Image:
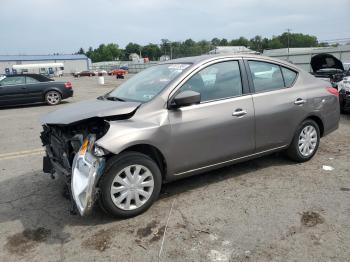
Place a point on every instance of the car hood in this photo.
(324, 60)
(89, 109)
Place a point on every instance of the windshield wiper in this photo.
(114, 98)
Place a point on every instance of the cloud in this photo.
(43, 26)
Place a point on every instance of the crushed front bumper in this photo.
(86, 170)
(83, 175)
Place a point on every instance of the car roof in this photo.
(207, 58)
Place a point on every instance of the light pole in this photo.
(288, 30)
(171, 51)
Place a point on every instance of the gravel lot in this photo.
(268, 209)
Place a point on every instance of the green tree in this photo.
(242, 41)
(81, 51)
(131, 48)
(215, 41)
(151, 51)
(223, 42)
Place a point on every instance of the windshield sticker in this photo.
(179, 66)
(149, 97)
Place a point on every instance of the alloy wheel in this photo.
(53, 97)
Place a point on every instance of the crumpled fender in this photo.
(153, 129)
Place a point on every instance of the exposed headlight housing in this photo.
(99, 151)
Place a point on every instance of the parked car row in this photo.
(32, 88)
(119, 73)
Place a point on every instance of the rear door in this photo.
(279, 104)
(220, 128)
(13, 90)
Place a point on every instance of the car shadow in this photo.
(38, 202)
(233, 171)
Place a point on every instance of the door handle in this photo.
(299, 101)
(239, 112)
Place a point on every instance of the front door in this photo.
(13, 90)
(220, 128)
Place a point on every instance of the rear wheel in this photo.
(305, 142)
(53, 98)
(130, 185)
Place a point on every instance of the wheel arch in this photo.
(153, 152)
(313, 117)
(318, 121)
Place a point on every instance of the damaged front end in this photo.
(86, 170)
(71, 153)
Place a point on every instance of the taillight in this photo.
(68, 85)
(333, 91)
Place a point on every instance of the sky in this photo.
(63, 26)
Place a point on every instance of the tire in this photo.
(295, 151)
(53, 97)
(116, 169)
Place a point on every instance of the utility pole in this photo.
(288, 30)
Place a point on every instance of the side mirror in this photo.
(187, 98)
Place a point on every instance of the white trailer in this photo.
(55, 69)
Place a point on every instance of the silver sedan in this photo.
(181, 118)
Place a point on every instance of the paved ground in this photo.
(268, 209)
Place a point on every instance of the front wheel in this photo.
(305, 142)
(130, 185)
(53, 98)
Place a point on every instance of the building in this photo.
(232, 50)
(301, 57)
(71, 63)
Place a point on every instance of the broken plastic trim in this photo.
(86, 170)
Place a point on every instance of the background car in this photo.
(32, 88)
(344, 94)
(102, 73)
(120, 73)
(85, 73)
(125, 67)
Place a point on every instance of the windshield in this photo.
(148, 83)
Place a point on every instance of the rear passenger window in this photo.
(266, 76)
(289, 76)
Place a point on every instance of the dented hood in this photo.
(89, 109)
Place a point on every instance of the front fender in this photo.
(123, 134)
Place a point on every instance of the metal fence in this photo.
(133, 67)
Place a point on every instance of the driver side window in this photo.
(217, 81)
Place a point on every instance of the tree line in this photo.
(189, 47)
